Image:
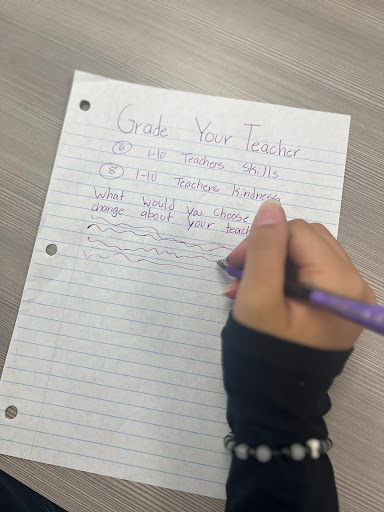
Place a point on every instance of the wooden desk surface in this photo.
(318, 54)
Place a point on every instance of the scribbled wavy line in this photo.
(152, 236)
(218, 246)
(141, 259)
(159, 253)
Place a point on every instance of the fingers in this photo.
(322, 231)
(266, 251)
(237, 256)
(367, 294)
(275, 249)
(321, 262)
(307, 248)
(231, 290)
(310, 246)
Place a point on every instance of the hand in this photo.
(320, 261)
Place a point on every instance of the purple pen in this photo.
(370, 316)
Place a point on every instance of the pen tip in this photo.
(221, 264)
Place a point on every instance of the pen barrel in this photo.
(370, 316)
(235, 272)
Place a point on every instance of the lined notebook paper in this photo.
(114, 364)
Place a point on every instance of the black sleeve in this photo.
(277, 395)
(17, 497)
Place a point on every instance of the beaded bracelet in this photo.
(264, 453)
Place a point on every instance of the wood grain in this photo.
(324, 55)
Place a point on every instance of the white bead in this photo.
(297, 451)
(314, 448)
(242, 451)
(230, 445)
(263, 453)
(229, 442)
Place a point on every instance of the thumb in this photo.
(266, 253)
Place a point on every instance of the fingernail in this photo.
(227, 289)
(270, 212)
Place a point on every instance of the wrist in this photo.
(277, 390)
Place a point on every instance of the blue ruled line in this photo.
(144, 228)
(102, 234)
(121, 318)
(234, 137)
(121, 403)
(88, 411)
(120, 346)
(122, 278)
(201, 167)
(124, 305)
(117, 373)
(118, 332)
(113, 461)
(266, 190)
(123, 433)
(162, 197)
(129, 265)
(205, 242)
(131, 293)
(157, 221)
(116, 359)
(213, 193)
(138, 255)
(123, 134)
(112, 446)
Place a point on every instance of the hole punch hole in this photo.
(11, 412)
(85, 105)
(51, 249)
